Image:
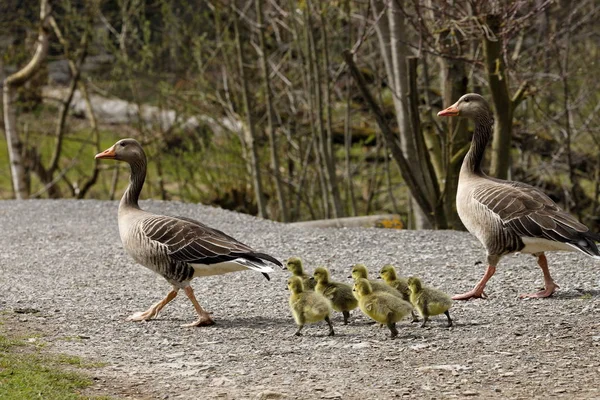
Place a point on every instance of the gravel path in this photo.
(65, 259)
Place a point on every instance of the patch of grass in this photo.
(26, 373)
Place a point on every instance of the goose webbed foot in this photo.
(546, 292)
(471, 294)
(143, 315)
(204, 320)
(154, 309)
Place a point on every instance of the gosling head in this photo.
(294, 265)
(295, 285)
(359, 271)
(128, 150)
(388, 273)
(415, 284)
(470, 105)
(321, 274)
(362, 287)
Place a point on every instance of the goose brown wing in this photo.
(527, 211)
(193, 242)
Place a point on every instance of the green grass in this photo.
(28, 373)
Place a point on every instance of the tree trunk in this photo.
(11, 83)
(327, 163)
(250, 134)
(498, 83)
(454, 84)
(390, 28)
(392, 141)
(270, 120)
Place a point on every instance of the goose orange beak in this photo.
(451, 111)
(108, 154)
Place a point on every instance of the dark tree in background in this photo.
(296, 110)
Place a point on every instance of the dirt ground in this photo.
(65, 260)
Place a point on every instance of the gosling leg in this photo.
(331, 332)
(346, 316)
(393, 329)
(449, 319)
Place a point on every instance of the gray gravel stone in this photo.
(64, 259)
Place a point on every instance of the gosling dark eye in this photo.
(123, 144)
(466, 100)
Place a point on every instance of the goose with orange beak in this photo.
(507, 216)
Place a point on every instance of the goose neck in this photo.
(481, 137)
(136, 182)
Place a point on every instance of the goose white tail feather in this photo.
(239, 264)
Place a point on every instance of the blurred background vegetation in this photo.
(299, 110)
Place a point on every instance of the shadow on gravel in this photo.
(576, 294)
(223, 322)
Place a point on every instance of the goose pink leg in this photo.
(204, 317)
(154, 309)
(477, 292)
(549, 285)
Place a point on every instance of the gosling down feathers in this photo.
(177, 248)
(507, 216)
(308, 307)
(380, 306)
(295, 266)
(429, 301)
(340, 294)
(390, 277)
(359, 271)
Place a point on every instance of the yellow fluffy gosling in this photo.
(429, 301)
(294, 265)
(390, 277)
(380, 306)
(308, 306)
(340, 294)
(359, 271)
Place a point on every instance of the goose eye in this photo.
(466, 100)
(122, 144)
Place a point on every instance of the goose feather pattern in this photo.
(177, 248)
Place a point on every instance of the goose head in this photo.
(470, 105)
(128, 150)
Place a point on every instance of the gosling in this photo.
(360, 271)
(308, 306)
(340, 294)
(429, 301)
(390, 277)
(380, 306)
(294, 265)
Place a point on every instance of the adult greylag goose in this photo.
(178, 248)
(508, 216)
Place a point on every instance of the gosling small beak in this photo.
(451, 111)
(108, 154)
